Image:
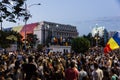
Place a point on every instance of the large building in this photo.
(47, 31)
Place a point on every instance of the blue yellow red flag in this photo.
(113, 43)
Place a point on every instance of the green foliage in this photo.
(40, 47)
(100, 40)
(32, 39)
(80, 44)
(5, 43)
(12, 12)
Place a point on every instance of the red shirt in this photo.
(71, 74)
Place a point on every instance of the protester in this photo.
(59, 66)
(29, 69)
(113, 75)
(83, 74)
(72, 73)
(97, 73)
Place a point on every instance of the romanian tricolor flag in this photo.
(113, 43)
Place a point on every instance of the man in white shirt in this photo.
(97, 73)
(83, 74)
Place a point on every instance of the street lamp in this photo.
(27, 17)
(1, 20)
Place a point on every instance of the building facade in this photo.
(49, 31)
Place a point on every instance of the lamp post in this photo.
(26, 18)
(1, 20)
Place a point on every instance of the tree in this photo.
(32, 39)
(7, 38)
(80, 44)
(18, 36)
(3, 41)
(40, 47)
(91, 39)
(11, 11)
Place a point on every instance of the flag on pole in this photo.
(113, 43)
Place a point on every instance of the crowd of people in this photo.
(59, 66)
